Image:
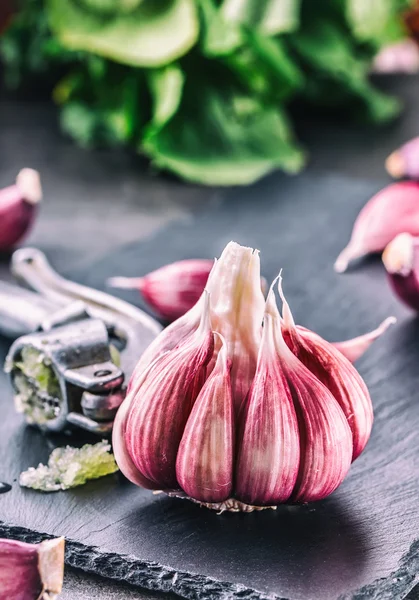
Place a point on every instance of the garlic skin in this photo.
(356, 347)
(236, 312)
(401, 261)
(31, 571)
(394, 210)
(237, 308)
(336, 372)
(230, 416)
(18, 207)
(404, 162)
(171, 290)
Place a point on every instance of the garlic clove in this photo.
(326, 442)
(18, 207)
(237, 306)
(119, 446)
(400, 57)
(336, 372)
(404, 162)
(31, 571)
(204, 465)
(162, 402)
(394, 210)
(356, 347)
(122, 456)
(401, 260)
(269, 448)
(171, 290)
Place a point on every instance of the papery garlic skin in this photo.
(236, 312)
(18, 207)
(401, 260)
(205, 459)
(163, 403)
(237, 307)
(171, 290)
(356, 347)
(394, 210)
(404, 162)
(31, 571)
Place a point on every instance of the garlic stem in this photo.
(126, 283)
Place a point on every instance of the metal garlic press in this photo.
(75, 346)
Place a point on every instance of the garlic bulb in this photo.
(236, 415)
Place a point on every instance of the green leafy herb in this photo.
(376, 21)
(223, 137)
(336, 68)
(269, 17)
(202, 87)
(142, 34)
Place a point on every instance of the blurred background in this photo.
(138, 112)
(208, 90)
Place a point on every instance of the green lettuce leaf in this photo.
(27, 47)
(219, 37)
(102, 103)
(376, 21)
(337, 75)
(153, 33)
(223, 137)
(269, 17)
(265, 68)
(166, 87)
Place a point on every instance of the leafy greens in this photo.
(202, 87)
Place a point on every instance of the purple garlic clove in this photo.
(18, 208)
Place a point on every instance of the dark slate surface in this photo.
(363, 541)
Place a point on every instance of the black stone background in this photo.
(105, 214)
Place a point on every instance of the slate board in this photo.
(363, 541)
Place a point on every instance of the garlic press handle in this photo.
(22, 311)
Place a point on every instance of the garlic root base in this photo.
(230, 505)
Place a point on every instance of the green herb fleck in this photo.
(70, 467)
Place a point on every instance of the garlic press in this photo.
(74, 346)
